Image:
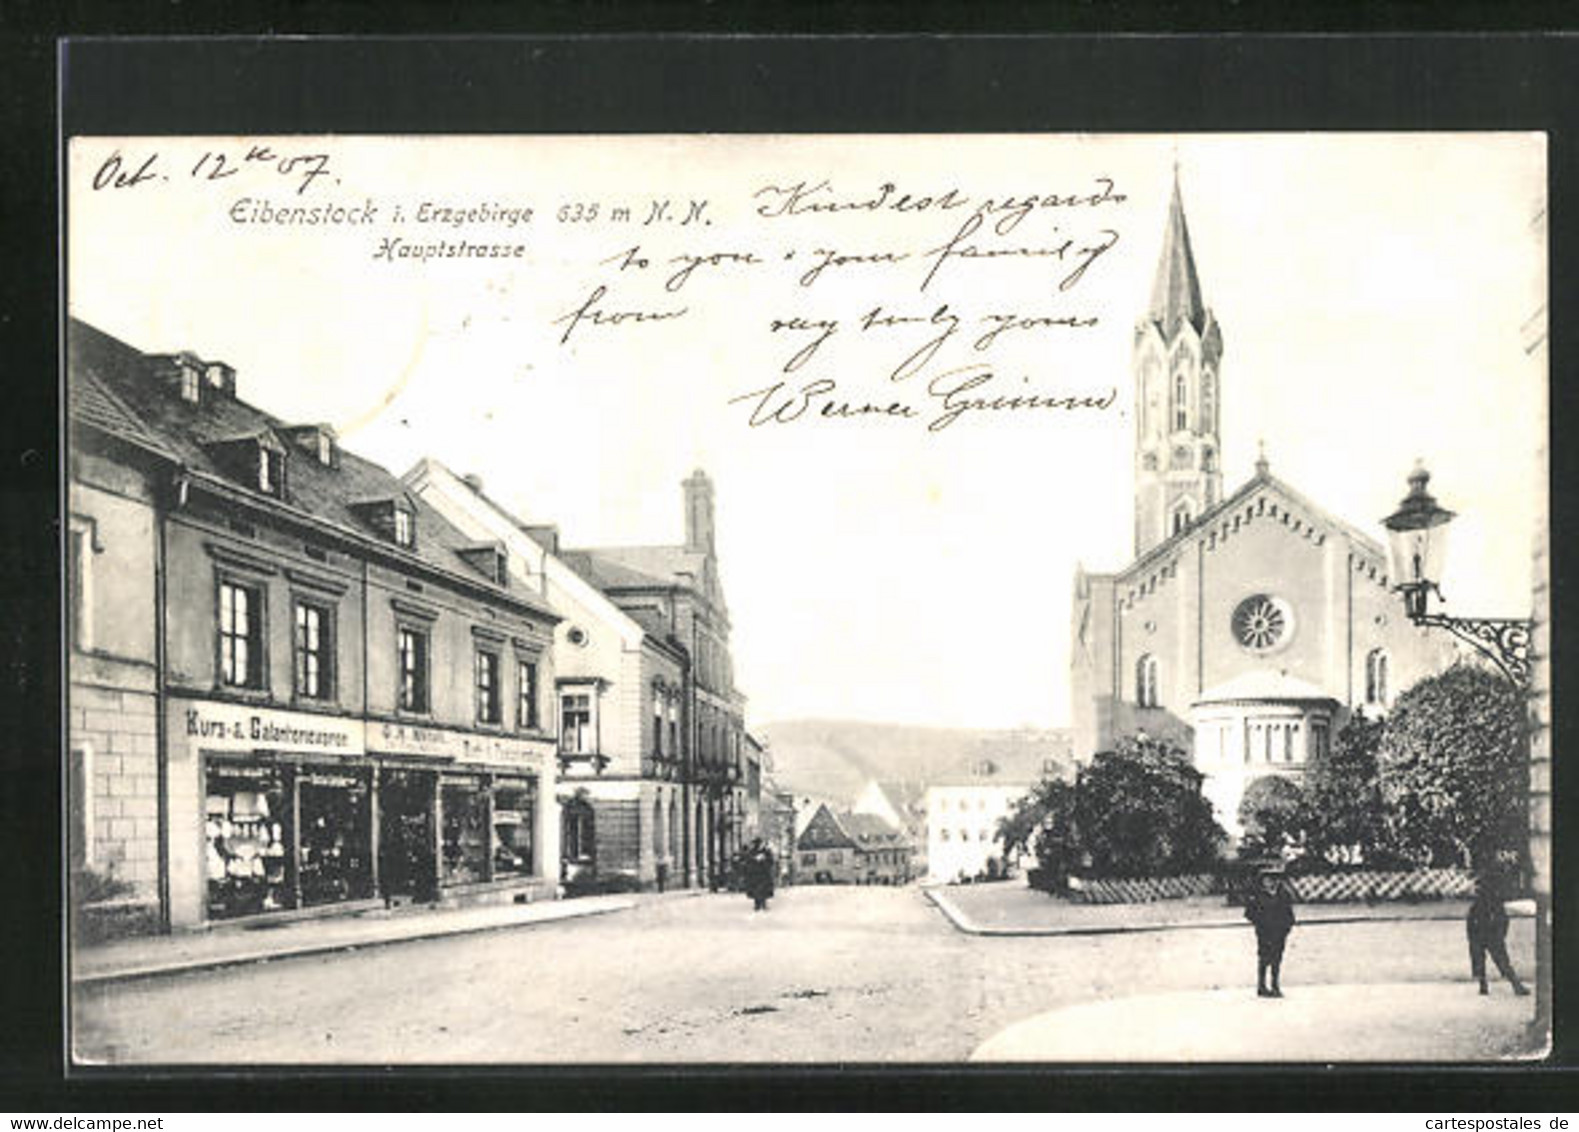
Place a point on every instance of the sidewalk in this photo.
(1009, 909)
(1436, 1021)
(216, 947)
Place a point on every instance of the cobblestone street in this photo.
(829, 974)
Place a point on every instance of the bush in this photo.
(1139, 811)
(1274, 814)
(1453, 770)
(101, 909)
(1348, 820)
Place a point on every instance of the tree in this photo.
(1139, 811)
(1274, 814)
(1043, 822)
(1348, 822)
(1454, 770)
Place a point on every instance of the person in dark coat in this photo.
(758, 869)
(1487, 928)
(1271, 909)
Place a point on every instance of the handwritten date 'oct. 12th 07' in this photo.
(121, 171)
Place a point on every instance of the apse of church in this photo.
(1248, 628)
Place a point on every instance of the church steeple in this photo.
(1178, 349)
(1176, 292)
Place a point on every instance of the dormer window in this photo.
(405, 527)
(325, 449)
(191, 384)
(271, 471)
(488, 559)
(216, 376)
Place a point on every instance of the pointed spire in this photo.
(1262, 467)
(1176, 293)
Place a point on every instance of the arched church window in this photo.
(1261, 623)
(1376, 676)
(1146, 681)
(1149, 461)
(1208, 460)
(1182, 457)
(1207, 402)
(1181, 418)
(1181, 520)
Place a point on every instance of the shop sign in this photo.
(458, 746)
(237, 727)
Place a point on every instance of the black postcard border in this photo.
(634, 83)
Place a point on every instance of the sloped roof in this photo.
(1262, 685)
(638, 567)
(1012, 759)
(1176, 291)
(906, 797)
(867, 828)
(327, 494)
(89, 401)
(1263, 479)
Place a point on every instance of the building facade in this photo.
(963, 812)
(902, 805)
(348, 693)
(1247, 628)
(674, 593)
(626, 781)
(848, 848)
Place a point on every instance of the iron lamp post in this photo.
(1417, 542)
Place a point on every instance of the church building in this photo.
(1250, 626)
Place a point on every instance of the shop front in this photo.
(463, 814)
(283, 804)
(301, 814)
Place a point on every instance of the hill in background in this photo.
(834, 759)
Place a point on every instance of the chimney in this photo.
(698, 512)
(546, 535)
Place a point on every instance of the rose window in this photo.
(1261, 623)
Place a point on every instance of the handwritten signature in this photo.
(957, 392)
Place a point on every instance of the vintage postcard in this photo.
(807, 599)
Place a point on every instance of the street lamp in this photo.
(1417, 540)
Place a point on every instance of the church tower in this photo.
(1177, 355)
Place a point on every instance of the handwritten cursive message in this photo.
(841, 299)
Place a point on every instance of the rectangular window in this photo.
(80, 791)
(464, 831)
(314, 652)
(575, 723)
(190, 387)
(526, 695)
(657, 722)
(836, 858)
(808, 859)
(271, 471)
(413, 659)
(80, 564)
(514, 802)
(674, 728)
(487, 687)
(240, 635)
(405, 529)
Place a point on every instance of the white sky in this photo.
(1373, 292)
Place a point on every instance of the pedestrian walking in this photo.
(1487, 928)
(1270, 908)
(758, 869)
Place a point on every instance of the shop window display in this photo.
(246, 826)
(513, 803)
(466, 836)
(336, 836)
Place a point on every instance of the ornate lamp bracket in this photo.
(1506, 641)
